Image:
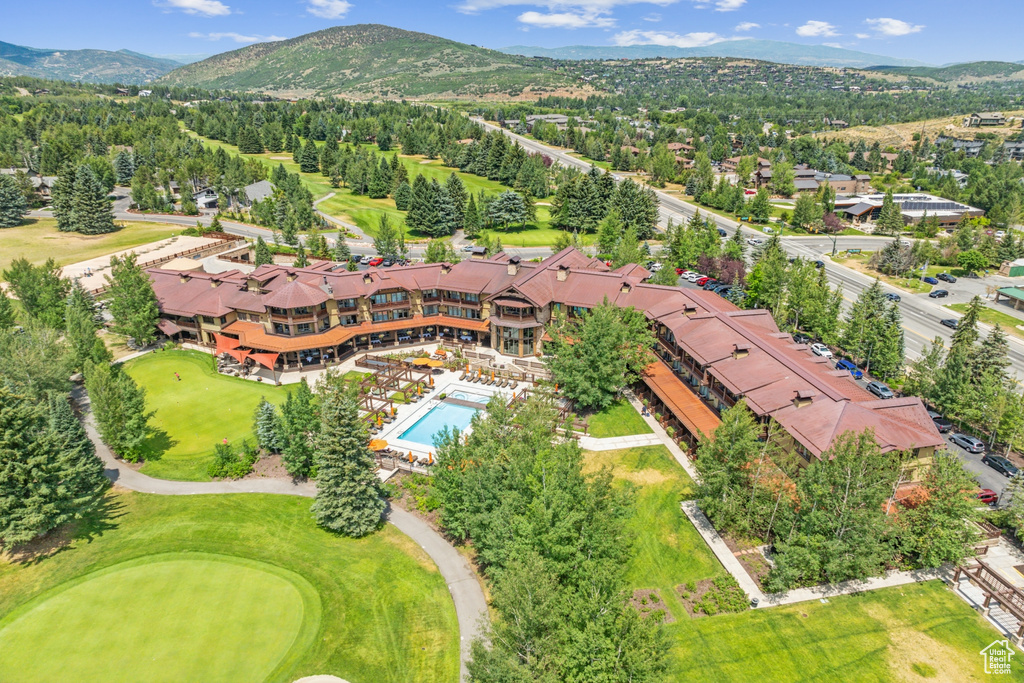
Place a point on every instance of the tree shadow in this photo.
(157, 442)
(94, 523)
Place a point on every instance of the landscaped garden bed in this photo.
(709, 597)
(648, 602)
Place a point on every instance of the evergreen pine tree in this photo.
(91, 213)
(403, 196)
(380, 183)
(80, 325)
(6, 312)
(348, 495)
(993, 355)
(12, 202)
(124, 167)
(262, 254)
(267, 426)
(119, 406)
(62, 198)
(421, 205)
(83, 483)
(890, 218)
(301, 260)
(310, 162)
(298, 425)
(471, 219)
(341, 249)
(457, 194)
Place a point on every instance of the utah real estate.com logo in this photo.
(997, 657)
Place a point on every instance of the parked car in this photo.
(366, 260)
(971, 444)
(701, 281)
(951, 323)
(941, 423)
(722, 232)
(892, 296)
(850, 367)
(930, 280)
(938, 294)
(880, 389)
(819, 349)
(655, 267)
(693, 277)
(680, 271)
(754, 242)
(1000, 465)
(801, 338)
(946, 277)
(819, 264)
(375, 261)
(987, 496)
(723, 291)
(469, 247)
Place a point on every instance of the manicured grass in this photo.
(536, 234)
(38, 239)
(859, 262)
(668, 551)
(1008, 322)
(883, 635)
(225, 588)
(618, 419)
(880, 635)
(255, 612)
(192, 416)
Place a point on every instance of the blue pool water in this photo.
(437, 418)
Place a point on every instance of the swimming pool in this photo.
(437, 418)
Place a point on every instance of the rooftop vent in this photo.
(740, 350)
(803, 398)
(563, 273)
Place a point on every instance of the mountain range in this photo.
(90, 66)
(370, 60)
(765, 50)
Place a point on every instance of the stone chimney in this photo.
(183, 278)
(513, 265)
(446, 268)
(366, 278)
(626, 288)
(804, 397)
(563, 273)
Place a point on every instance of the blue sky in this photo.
(935, 31)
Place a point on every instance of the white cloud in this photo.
(839, 45)
(728, 5)
(667, 38)
(816, 28)
(568, 20)
(652, 17)
(893, 27)
(747, 26)
(207, 8)
(580, 7)
(237, 37)
(862, 36)
(328, 9)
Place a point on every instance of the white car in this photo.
(754, 242)
(819, 349)
(693, 277)
(366, 260)
(655, 267)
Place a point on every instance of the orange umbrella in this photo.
(380, 421)
(419, 389)
(492, 375)
(430, 458)
(392, 411)
(378, 444)
(421, 361)
(431, 381)
(410, 456)
(435, 363)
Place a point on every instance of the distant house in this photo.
(145, 93)
(731, 164)
(959, 176)
(205, 198)
(970, 148)
(992, 118)
(44, 185)
(679, 147)
(866, 208)
(257, 192)
(836, 123)
(121, 91)
(1014, 151)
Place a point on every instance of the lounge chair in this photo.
(504, 382)
(514, 384)
(462, 376)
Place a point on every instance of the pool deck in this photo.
(408, 415)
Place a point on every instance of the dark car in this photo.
(819, 264)
(987, 496)
(1000, 465)
(930, 280)
(880, 390)
(951, 323)
(971, 444)
(722, 232)
(850, 367)
(938, 294)
(946, 277)
(892, 296)
(724, 291)
(711, 284)
(941, 423)
(387, 263)
(801, 338)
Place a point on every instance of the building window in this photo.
(304, 328)
(301, 310)
(430, 310)
(401, 313)
(349, 320)
(325, 323)
(347, 303)
(323, 306)
(280, 328)
(510, 341)
(578, 310)
(429, 293)
(528, 343)
(474, 298)
(381, 316)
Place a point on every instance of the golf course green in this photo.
(164, 618)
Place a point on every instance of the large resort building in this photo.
(710, 353)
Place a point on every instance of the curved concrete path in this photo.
(468, 596)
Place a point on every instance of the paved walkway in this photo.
(614, 443)
(468, 596)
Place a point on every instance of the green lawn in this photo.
(618, 419)
(38, 239)
(225, 588)
(859, 262)
(192, 416)
(904, 633)
(1008, 322)
(668, 550)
